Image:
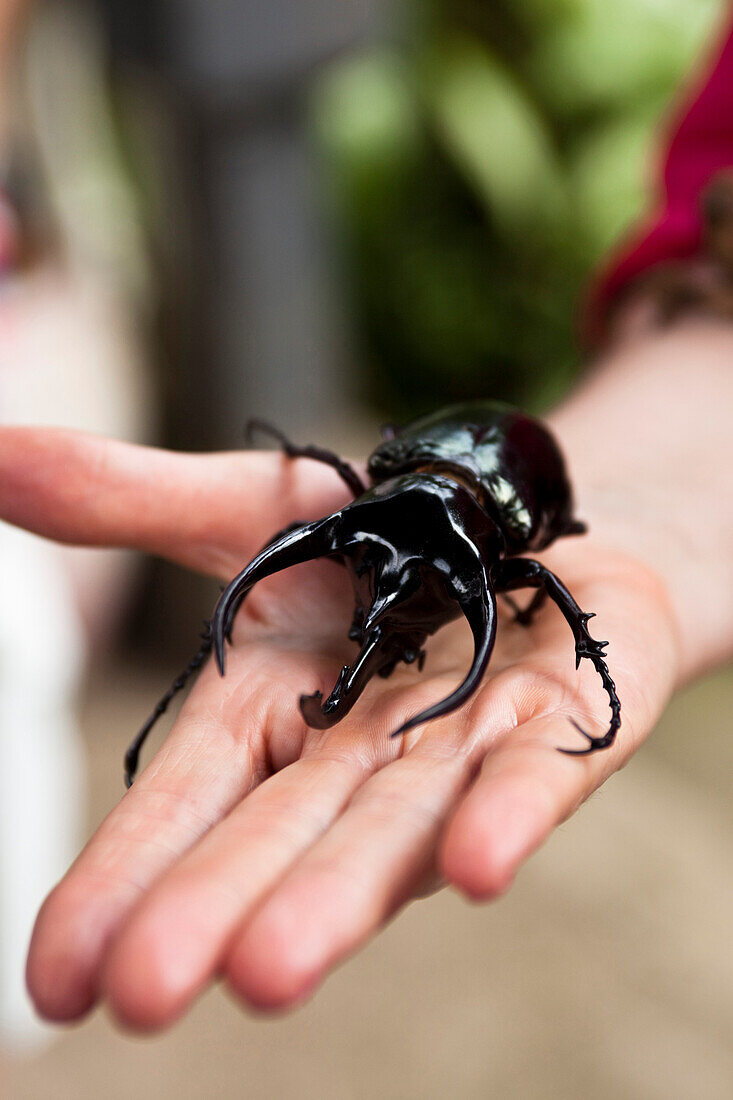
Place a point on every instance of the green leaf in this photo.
(365, 115)
(610, 55)
(495, 135)
(610, 178)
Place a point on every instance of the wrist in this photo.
(650, 453)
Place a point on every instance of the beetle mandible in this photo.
(455, 499)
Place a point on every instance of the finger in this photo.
(349, 883)
(201, 772)
(174, 942)
(176, 939)
(526, 787)
(200, 510)
(524, 790)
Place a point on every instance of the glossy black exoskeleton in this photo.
(454, 499)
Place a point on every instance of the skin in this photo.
(254, 850)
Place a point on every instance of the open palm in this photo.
(256, 849)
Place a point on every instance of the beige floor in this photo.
(607, 972)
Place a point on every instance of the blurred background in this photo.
(332, 213)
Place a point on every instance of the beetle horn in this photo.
(478, 604)
(293, 547)
(349, 686)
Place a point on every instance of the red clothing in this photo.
(699, 145)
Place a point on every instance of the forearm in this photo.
(649, 441)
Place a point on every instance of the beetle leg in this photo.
(345, 470)
(356, 630)
(410, 653)
(515, 573)
(525, 615)
(132, 756)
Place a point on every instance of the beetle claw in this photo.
(595, 743)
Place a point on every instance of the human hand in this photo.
(255, 849)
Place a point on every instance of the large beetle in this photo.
(454, 498)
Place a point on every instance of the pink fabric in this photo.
(699, 144)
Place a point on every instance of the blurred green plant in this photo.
(479, 169)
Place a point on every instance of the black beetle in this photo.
(455, 497)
